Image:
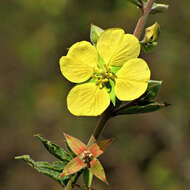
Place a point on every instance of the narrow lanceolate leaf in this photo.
(75, 144)
(73, 166)
(87, 177)
(98, 148)
(158, 8)
(97, 169)
(138, 109)
(52, 170)
(136, 2)
(95, 32)
(152, 90)
(54, 149)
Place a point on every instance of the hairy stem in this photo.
(142, 20)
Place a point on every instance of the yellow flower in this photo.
(111, 65)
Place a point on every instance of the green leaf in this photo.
(148, 46)
(138, 109)
(87, 177)
(52, 170)
(54, 149)
(95, 32)
(158, 8)
(152, 90)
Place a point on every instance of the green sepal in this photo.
(115, 69)
(72, 180)
(101, 62)
(112, 92)
(69, 149)
(143, 108)
(91, 80)
(95, 33)
(148, 46)
(54, 149)
(52, 170)
(152, 90)
(69, 185)
(87, 177)
(151, 35)
(158, 8)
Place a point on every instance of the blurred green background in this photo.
(151, 151)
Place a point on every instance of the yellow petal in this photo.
(78, 65)
(115, 47)
(132, 79)
(87, 100)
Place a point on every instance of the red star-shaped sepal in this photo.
(86, 156)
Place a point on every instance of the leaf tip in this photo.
(37, 135)
(22, 157)
(67, 136)
(105, 181)
(167, 104)
(61, 175)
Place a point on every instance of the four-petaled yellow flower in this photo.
(96, 65)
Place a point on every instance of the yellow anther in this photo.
(100, 86)
(102, 76)
(105, 80)
(110, 75)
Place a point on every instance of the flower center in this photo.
(87, 157)
(102, 75)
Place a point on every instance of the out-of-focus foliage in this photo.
(151, 150)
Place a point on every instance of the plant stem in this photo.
(110, 112)
(101, 124)
(143, 18)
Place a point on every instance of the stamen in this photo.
(102, 75)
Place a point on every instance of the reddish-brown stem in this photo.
(143, 18)
(100, 126)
